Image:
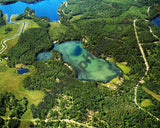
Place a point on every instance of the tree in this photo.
(13, 123)
(2, 21)
(1, 122)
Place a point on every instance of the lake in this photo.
(87, 65)
(47, 8)
(156, 21)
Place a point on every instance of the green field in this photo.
(56, 29)
(146, 103)
(157, 97)
(10, 81)
(16, 29)
(124, 68)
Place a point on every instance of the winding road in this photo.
(153, 33)
(147, 68)
(4, 46)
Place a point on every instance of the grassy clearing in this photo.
(124, 68)
(16, 29)
(117, 81)
(26, 118)
(77, 17)
(134, 10)
(157, 97)
(10, 44)
(10, 81)
(29, 24)
(146, 103)
(112, 84)
(10, 34)
(122, 65)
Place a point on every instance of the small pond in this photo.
(44, 56)
(22, 71)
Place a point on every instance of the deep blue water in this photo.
(44, 56)
(22, 71)
(47, 8)
(77, 51)
(156, 21)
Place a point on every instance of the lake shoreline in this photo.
(12, 2)
(43, 8)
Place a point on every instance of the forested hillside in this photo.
(30, 43)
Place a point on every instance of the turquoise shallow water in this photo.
(44, 56)
(87, 65)
(46, 8)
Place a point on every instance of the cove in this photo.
(88, 67)
(22, 71)
(47, 8)
(156, 21)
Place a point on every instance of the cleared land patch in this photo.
(10, 81)
(16, 30)
(157, 97)
(146, 103)
(56, 29)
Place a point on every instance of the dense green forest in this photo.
(28, 46)
(106, 29)
(2, 21)
(12, 107)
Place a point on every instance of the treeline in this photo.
(92, 9)
(16, 108)
(31, 42)
(144, 34)
(2, 21)
(153, 77)
(14, 1)
(154, 104)
(147, 2)
(30, 14)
